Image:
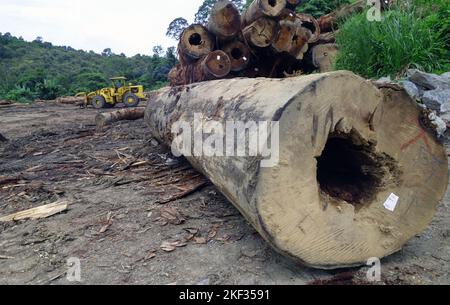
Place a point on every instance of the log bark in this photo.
(195, 43)
(239, 55)
(261, 33)
(346, 151)
(225, 20)
(329, 22)
(285, 36)
(329, 37)
(260, 8)
(324, 56)
(108, 118)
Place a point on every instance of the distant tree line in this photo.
(39, 70)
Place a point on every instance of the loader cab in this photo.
(118, 82)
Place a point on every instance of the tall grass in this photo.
(400, 41)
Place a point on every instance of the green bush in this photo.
(318, 8)
(401, 41)
(20, 94)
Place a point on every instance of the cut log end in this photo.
(261, 8)
(362, 189)
(217, 64)
(195, 43)
(324, 56)
(239, 55)
(261, 33)
(225, 20)
(272, 8)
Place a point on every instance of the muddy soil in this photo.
(128, 197)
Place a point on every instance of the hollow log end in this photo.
(272, 8)
(196, 42)
(239, 55)
(369, 176)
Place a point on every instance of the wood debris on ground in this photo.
(37, 213)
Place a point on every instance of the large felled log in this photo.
(261, 33)
(107, 118)
(195, 42)
(358, 174)
(260, 8)
(225, 20)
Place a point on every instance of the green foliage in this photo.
(20, 94)
(176, 27)
(39, 70)
(401, 41)
(318, 8)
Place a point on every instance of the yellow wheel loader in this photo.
(120, 92)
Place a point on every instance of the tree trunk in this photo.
(195, 42)
(107, 118)
(358, 174)
(260, 8)
(225, 20)
(261, 33)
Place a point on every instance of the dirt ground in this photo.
(127, 197)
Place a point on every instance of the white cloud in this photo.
(129, 27)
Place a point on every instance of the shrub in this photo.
(20, 94)
(400, 41)
(318, 8)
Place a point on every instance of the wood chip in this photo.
(172, 216)
(37, 213)
(200, 240)
(108, 223)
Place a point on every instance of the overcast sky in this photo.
(125, 26)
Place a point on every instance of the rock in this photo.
(411, 89)
(428, 80)
(445, 108)
(446, 76)
(446, 117)
(383, 80)
(435, 99)
(439, 124)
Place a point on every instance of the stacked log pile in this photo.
(269, 39)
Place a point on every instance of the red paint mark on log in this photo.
(422, 135)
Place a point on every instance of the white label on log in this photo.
(391, 203)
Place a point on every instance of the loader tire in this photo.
(98, 102)
(130, 100)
